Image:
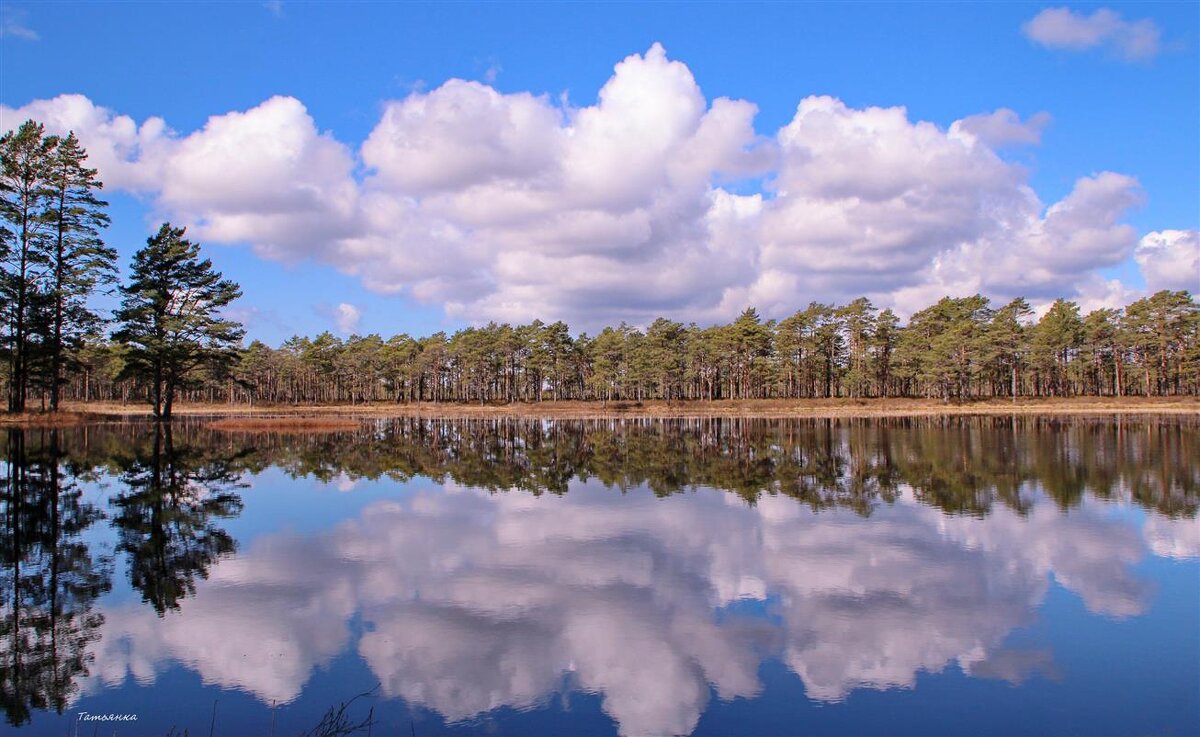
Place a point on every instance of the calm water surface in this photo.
(925, 577)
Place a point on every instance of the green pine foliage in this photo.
(170, 321)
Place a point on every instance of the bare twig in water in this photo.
(337, 722)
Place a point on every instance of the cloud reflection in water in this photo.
(474, 601)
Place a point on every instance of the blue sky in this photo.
(1113, 106)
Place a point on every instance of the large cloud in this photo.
(265, 176)
(651, 201)
(129, 156)
(474, 601)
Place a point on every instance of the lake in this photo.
(932, 576)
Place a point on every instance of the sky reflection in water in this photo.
(864, 570)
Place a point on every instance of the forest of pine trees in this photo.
(55, 347)
(957, 349)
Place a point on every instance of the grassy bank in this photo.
(68, 418)
(767, 408)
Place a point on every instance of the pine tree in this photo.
(25, 194)
(665, 348)
(1056, 338)
(170, 320)
(1101, 330)
(883, 345)
(943, 345)
(858, 322)
(1160, 329)
(1008, 342)
(78, 260)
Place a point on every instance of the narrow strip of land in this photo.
(764, 408)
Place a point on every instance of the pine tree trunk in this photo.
(16, 397)
(156, 393)
(56, 346)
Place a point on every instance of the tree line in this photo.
(169, 340)
(957, 349)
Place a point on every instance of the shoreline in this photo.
(80, 413)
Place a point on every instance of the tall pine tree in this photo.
(25, 196)
(78, 259)
(170, 317)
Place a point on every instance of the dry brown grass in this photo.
(767, 408)
(286, 424)
(47, 419)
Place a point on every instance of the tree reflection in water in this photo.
(166, 515)
(50, 580)
(958, 465)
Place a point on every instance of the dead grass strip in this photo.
(286, 424)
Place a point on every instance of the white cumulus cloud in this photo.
(653, 200)
(129, 155)
(1170, 259)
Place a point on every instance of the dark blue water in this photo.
(956, 577)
